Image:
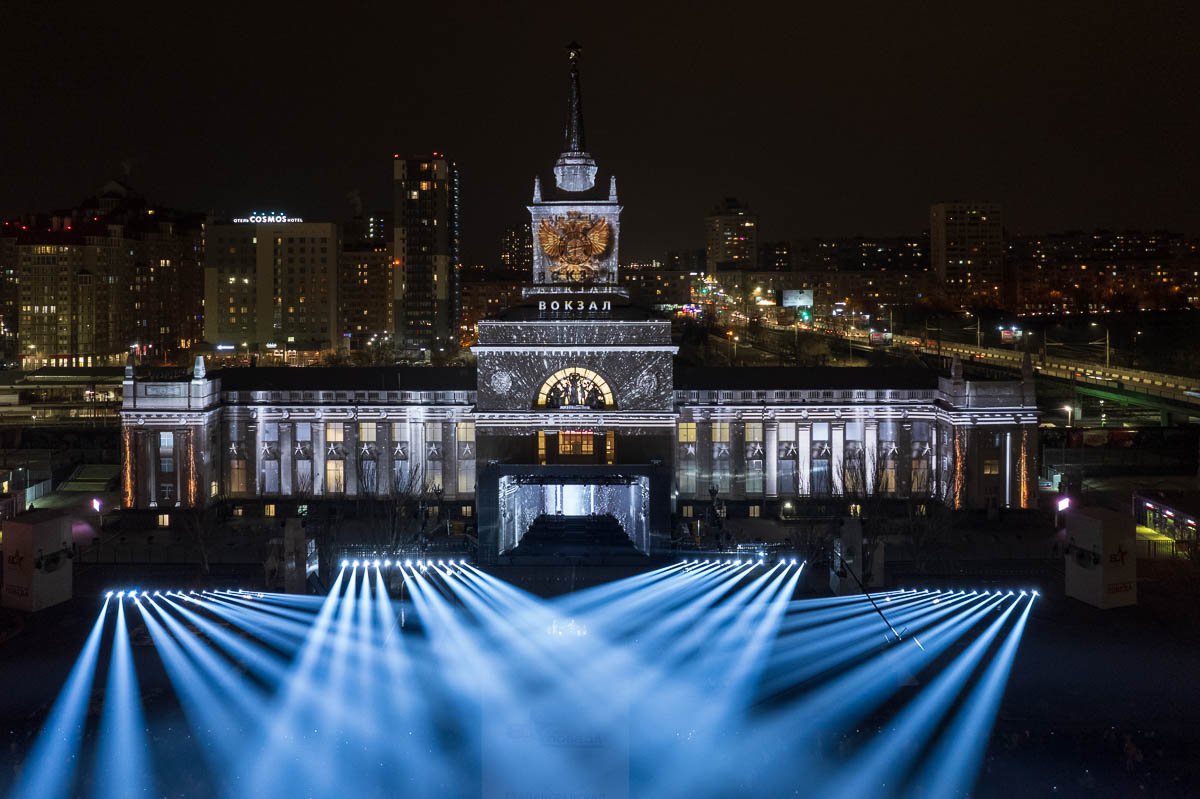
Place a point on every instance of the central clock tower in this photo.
(574, 414)
(576, 227)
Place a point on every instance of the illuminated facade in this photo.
(271, 285)
(575, 409)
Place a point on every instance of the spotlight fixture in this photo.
(157, 594)
(462, 561)
(1022, 593)
(354, 564)
(1035, 593)
(408, 564)
(120, 594)
(133, 593)
(109, 594)
(440, 563)
(793, 561)
(345, 563)
(376, 563)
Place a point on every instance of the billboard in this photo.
(797, 298)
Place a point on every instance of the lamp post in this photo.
(1066, 436)
(712, 494)
(1107, 348)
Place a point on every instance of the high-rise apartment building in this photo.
(516, 250)
(112, 275)
(271, 284)
(731, 237)
(426, 255)
(966, 241)
(366, 290)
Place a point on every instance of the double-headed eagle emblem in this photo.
(573, 243)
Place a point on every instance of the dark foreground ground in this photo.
(1099, 704)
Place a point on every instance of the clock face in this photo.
(573, 244)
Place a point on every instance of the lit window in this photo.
(720, 432)
(686, 511)
(687, 432)
(164, 520)
(468, 511)
(991, 467)
(575, 443)
(238, 511)
(269, 509)
(755, 511)
(366, 432)
(335, 476)
(334, 432)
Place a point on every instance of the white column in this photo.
(318, 457)
(873, 457)
(804, 458)
(838, 461)
(771, 467)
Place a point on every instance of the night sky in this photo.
(828, 122)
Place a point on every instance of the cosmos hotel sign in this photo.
(261, 217)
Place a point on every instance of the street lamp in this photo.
(1107, 349)
(1070, 411)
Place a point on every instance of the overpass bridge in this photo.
(1176, 397)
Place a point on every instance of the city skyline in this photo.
(1033, 129)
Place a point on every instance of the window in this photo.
(164, 520)
(166, 465)
(755, 511)
(686, 511)
(754, 431)
(541, 447)
(575, 443)
(214, 488)
(466, 478)
(399, 431)
(687, 432)
(166, 491)
(238, 511)
(465, 431)
(269, 510)
(433, 431)
(468, 511)
(334, 432)
(720, 432)
(366, 432)
(991, 466)
(754, 477)
(237, 476)
(335, 476)
(166, 440)
(610, 446)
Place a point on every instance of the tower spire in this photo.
(576, 169)
(574, 139)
